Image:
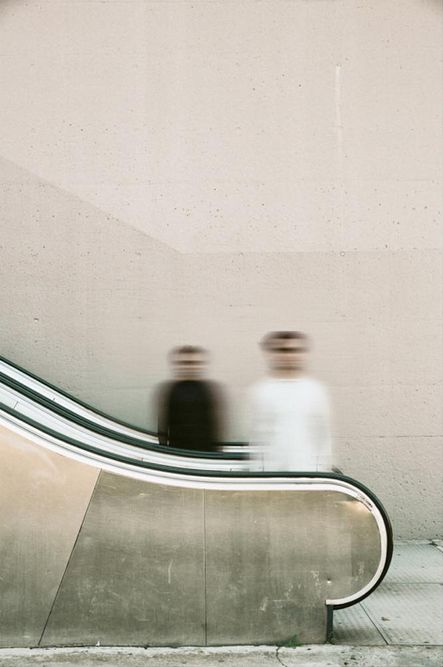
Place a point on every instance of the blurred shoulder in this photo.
(316, 387)
(261, 388)
(214, 387)
(163, 389)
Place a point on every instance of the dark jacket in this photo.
(189, 415)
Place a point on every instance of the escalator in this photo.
(108, 539)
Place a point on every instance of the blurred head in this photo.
(188, 362)
(285, 350)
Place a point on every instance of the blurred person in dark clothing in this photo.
(190, 406)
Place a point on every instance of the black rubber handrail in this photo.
(227, 474)
(73, 398)
(107, 432)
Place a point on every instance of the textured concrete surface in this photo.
(306, 656)
(204, 171)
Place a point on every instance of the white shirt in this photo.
(290, 425)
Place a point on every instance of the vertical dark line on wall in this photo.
(69, 559)
(204, 567)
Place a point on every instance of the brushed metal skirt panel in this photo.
(136, 576)
(273, 558)
(121, 561)
(43, 499)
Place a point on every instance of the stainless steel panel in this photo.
(353, 543)
(138, 573)
(273, 558)
(136, 576)
(43, 499)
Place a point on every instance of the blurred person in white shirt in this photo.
(289, 411)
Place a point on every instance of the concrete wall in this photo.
(203, 172)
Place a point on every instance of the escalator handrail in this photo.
(64, 393)
(81, 403)
(44, 417)
(102, 430)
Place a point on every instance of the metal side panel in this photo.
(169, 557)
(136, 576)
(274, 558)
(43, 500)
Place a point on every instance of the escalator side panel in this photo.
(136, 576)
(174, 559)
(43, 500)
(164, 565)
(277, 556)
(260, 555)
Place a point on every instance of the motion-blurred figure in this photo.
(290, 422)
(190, 407)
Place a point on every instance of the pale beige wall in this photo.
(205, 171)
